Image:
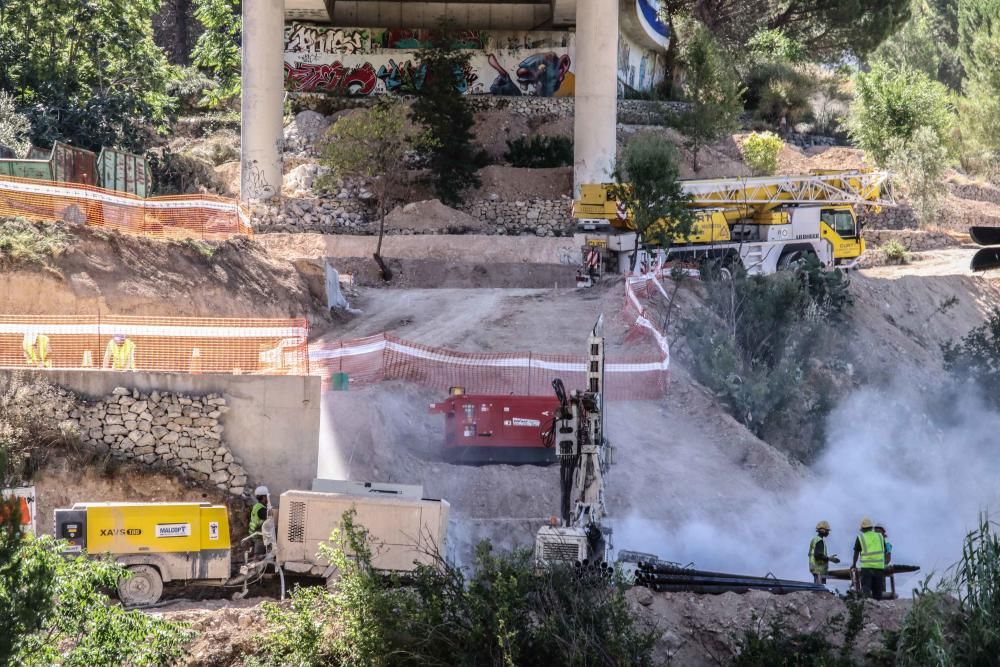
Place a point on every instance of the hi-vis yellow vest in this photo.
(872, 550)
(39, 352)
(815, 566)
(120, 354)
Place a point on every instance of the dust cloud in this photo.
(922, 461)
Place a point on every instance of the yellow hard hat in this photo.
(866, 523)
(823, 525)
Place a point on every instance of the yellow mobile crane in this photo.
(764, 223)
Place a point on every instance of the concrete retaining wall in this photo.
(449, 247)
(272, 422)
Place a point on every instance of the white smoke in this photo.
(886, 457)
(332, 460)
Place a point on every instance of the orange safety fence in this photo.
(386, 357)
(160, 344)
(184, 216)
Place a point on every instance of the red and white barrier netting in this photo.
(182, 216)
(386, 357)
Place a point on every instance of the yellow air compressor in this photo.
(157, 542)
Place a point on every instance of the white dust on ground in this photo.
(672, 453)
(668, 463)
(690, 482)
(554, 321)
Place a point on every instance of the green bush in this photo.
(218, 49)
(976, 358)
(713, 93)
(760, 152)
(779, 93)
(181, 173)
(956, 623)
(919, 164)
(27, 242)
(87, 73)
(754, 350)
(503, 614)
(190, 87)
(446, 119)
(14, 128)
(891, 105)
(540, 152)
(895, 252)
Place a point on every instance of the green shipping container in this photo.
(124, 172)
(40, 169)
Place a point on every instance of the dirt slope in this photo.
(127, 275)
(69, 477)
(704, 630)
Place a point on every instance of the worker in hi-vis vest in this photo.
(119, 355)
(258, 514)
(870, 547)
(36, 350)
(819, 561)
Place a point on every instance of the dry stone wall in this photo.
(911, 239)
(630, 112)
(164, 430)
(533, 217)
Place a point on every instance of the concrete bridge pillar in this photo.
(262, 99)
(595, 119)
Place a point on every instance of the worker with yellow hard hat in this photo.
(819, 561)
(869, 548)
(36, 350)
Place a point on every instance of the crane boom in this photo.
(762, 224)
(865, 188)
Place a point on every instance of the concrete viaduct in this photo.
(596, 24)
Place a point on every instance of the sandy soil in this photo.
(431, 216)
(902, 314)
(494, 129)
(225, 630)
(128, 275)
(704, 630)
(491, 320)
(513, 184)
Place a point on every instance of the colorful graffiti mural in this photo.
(362, 61)
(332, 78)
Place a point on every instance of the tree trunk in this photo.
(386, 271)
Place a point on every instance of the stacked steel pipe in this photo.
(672, 578)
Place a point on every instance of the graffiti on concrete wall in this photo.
(639, 69)
(334, 77)
(356, 61)
(310, 38)
(410, 40)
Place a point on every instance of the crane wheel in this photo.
(143, 588)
